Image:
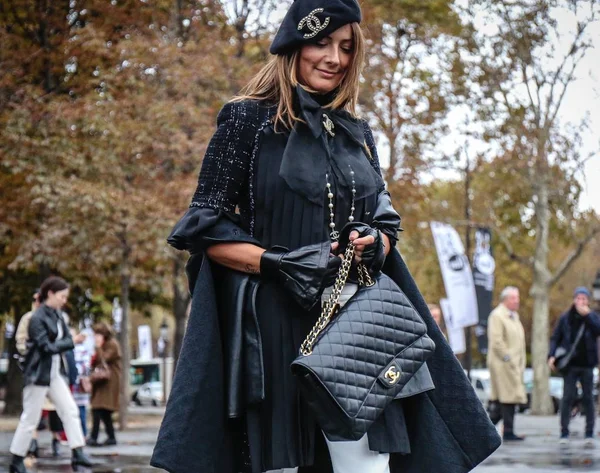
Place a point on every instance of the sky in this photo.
(584, 97)
(581, 99)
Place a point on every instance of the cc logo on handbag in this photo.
(392, 375)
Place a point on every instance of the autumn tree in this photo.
(409, 84)
(523, 72)
(105, 162)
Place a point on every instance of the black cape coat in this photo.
(244, 167)
(448, 427)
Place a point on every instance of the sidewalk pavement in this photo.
(539, 453)
(131, 455)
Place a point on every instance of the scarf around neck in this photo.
(312, 152)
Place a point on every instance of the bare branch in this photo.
(572, 257)
(565, 83)
(526, 80)
(509, 248)
(575, 47)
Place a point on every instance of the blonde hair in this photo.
(276, 82)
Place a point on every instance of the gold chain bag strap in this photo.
(357, 358)
(331, 306)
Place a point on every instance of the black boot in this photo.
(55, 447)
(17, 465)
(79, 458)
(34, 450)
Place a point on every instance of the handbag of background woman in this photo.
(100, 373)
(357, 359)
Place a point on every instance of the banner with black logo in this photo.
(456, 273)
(484, 267)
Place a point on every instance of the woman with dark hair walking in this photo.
(105, 392)
(44, 375)
(290, 180)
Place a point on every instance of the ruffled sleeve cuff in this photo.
(386, 219)
(202, 227)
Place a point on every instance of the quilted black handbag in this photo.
(356, 360)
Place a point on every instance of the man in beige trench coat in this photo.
(506, 358)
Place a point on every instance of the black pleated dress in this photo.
(287, 205)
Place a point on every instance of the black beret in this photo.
(311, 20)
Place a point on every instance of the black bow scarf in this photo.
(312, 152)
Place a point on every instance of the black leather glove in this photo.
(373, 256)
(385, 218)
(304, 272)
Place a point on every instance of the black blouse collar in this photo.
(312, 110)
(312, 151)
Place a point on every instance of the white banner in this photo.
(145, 342)
(457, 275)
(456, 336)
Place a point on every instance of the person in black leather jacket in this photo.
(44, 375)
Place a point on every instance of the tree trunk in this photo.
(179, 19)
(42, 34)
(125, 347)
(14, 387)
(181, 299)
(391, 170)
(541, 404)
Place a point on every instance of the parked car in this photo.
(555, 386)
(149, 393)
(480, 379)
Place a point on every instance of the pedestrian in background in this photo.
(506, 358)
(436, 313)
(22, 333)
(55, 425)
(573, 349)
(105, 392)
(80, 385)
(21, 337)
(44, 369)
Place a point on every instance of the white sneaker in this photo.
(564, 441)
(589, 442)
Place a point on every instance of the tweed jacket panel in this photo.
(225, 180)
(225, 169)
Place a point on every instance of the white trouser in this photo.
(352, 457)
(33, 401)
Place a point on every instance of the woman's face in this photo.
(57, 300)
(323, 65)
(99, 340)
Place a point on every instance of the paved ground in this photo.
(131, 455)
(540, 453)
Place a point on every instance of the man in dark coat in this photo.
(575, 334)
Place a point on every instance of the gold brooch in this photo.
(312, 22)
(329, 125)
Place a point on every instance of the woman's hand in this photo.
(361, 243)
(79, 338)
